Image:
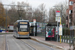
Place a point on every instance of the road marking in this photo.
(1, 35)
(28, 45)
(17, 44)
(7, 44)
(4, 43)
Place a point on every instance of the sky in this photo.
(36, 3)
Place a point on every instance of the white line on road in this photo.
(7, 44)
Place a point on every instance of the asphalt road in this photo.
(8, 42)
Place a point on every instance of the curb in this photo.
(47, 43)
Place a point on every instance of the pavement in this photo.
(2, 42)
(62, 46)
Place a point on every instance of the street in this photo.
(8, 42)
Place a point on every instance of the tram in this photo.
(21, 29)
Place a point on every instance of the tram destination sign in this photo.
(23, 22)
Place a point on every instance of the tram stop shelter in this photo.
(50, 31)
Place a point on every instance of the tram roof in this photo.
(22, 20)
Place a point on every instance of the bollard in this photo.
(74, 44)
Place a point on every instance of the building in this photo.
(73, 14)
(69, 18)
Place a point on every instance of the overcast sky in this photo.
(36, 3)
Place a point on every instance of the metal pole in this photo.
(6, 19)
(20, 18)
(34, 29)
(61, 20)
(60, 35)
(57, 31)
(61, 13)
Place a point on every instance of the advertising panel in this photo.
(50, 31)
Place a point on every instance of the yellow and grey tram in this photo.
(21, 29)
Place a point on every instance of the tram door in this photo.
(33, 31)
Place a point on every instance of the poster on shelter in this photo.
(50, 31)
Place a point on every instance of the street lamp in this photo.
(6, 18)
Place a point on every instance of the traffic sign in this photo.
(30, 24)
(56, 30)
(60, 30)
(34, 20)
(57, 13)
(60, 25)
(57, 19)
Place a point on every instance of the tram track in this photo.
(22, 42)
(28, 45)
(35, 44)
(12, 43)
(18, 43)
(31, 48)
(6, 48)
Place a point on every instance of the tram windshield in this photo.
(23, 28)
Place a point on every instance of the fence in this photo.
(68, 35)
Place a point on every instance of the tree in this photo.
(2, 15)
(56, 8)
(29, 14)
(15, 12)
(52, 15)
(43, 12)
(22, 8)
(37, 15)
(13, 15)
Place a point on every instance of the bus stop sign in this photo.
(34, 20)
(57, 13)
